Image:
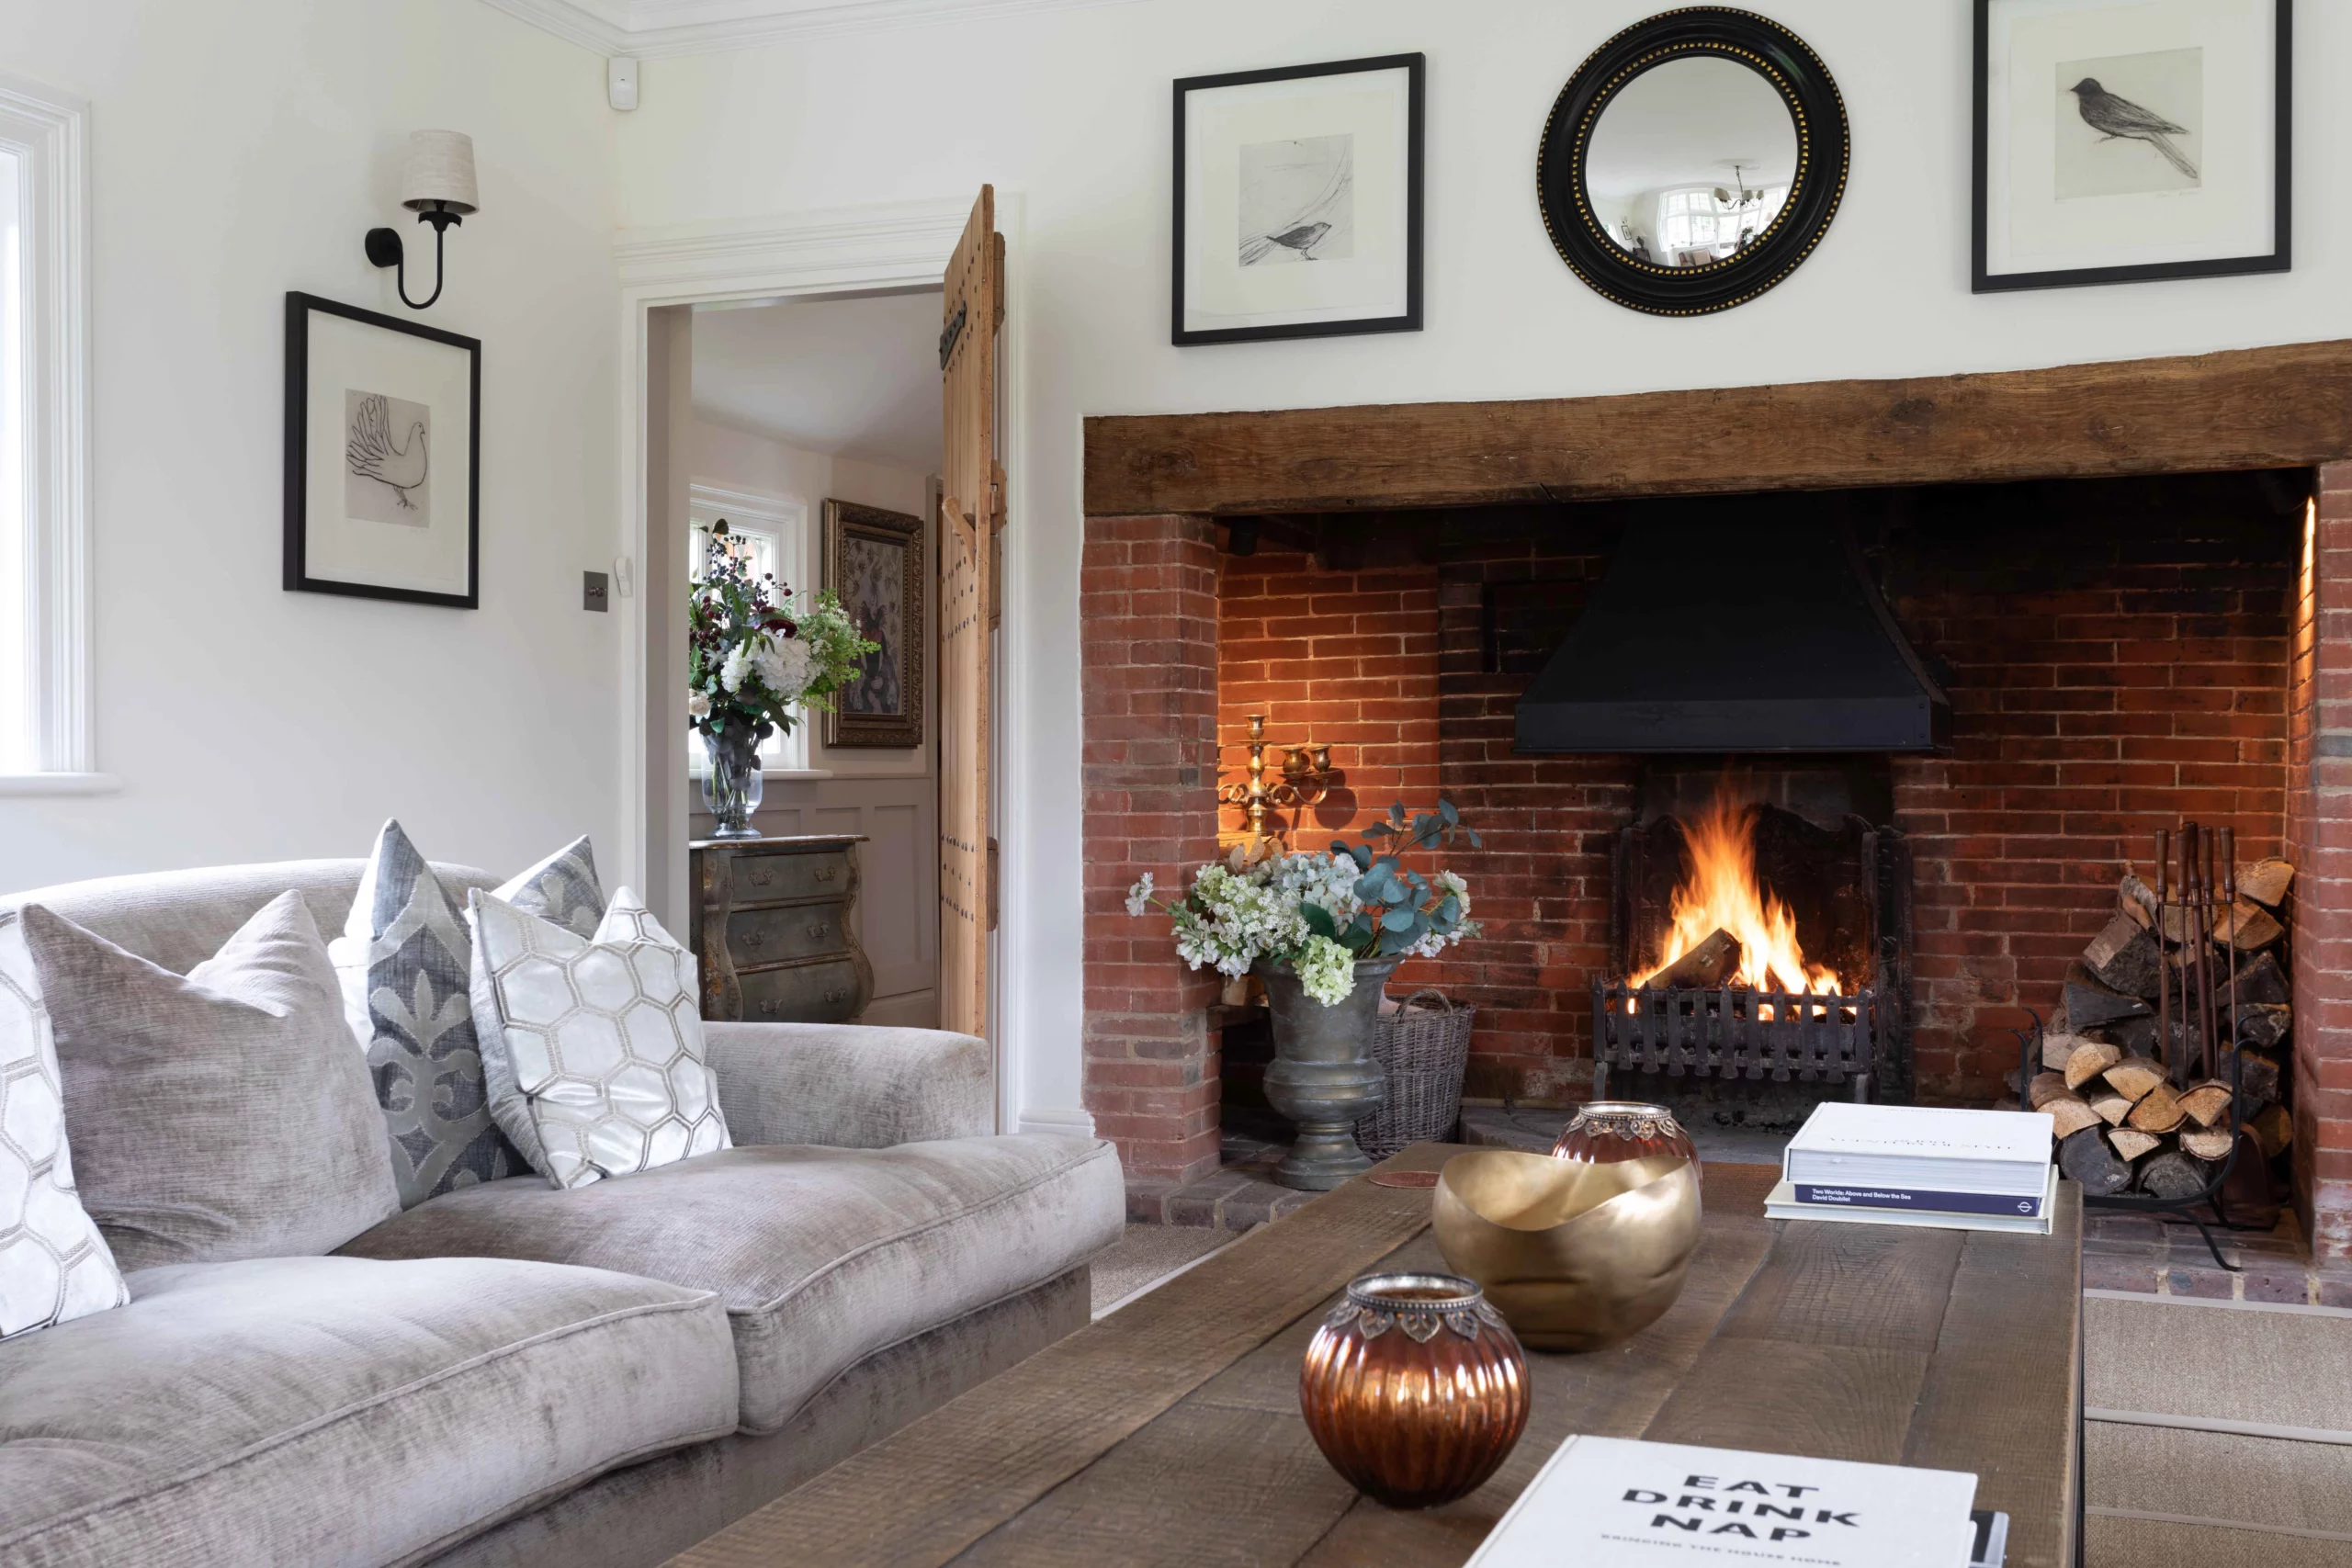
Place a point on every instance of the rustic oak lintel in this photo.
(2281, 407)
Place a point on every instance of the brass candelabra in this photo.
(1306, 779)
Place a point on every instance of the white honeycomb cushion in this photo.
(53, 1263)
(592, 1046)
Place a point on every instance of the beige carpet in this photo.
(2220, 1434)
(1149, 1254)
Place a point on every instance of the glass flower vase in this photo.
(732, 786)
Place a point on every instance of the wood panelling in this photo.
(2283, 407)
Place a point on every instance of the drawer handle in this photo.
(762, 878)
(754, 938)
(826, 873)
(817, 932)
(769, 1007)
(835, 994)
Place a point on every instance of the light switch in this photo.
(596, 590)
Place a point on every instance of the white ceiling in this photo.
(847, 378)
(1683, 123)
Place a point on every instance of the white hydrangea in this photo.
(1139, 896)
(785, 665)
(738, 667)
(1326, 970)
(697, 704)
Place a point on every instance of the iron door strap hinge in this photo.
(951, 334)
(992, 881)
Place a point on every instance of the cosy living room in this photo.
(1634, 719)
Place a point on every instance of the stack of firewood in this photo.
(2134, 1112)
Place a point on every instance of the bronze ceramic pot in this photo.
(1414, 1388)
(1577, 1257)
(1608, 1131)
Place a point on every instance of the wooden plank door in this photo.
(971, 511)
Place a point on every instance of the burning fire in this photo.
(1720, 892)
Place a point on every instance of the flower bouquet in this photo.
(755, 655)
(1318, 915)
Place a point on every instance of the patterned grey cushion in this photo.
(53, 1263)
(561, 888)
(218, 1115)
(405, 959)
(598, 1068)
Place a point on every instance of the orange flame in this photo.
(1720, 892)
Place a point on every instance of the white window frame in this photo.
(786, 518)
(48, 133)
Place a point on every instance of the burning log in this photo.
(1704, 967)
(2266, 881)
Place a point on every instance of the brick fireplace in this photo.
(2121, 651)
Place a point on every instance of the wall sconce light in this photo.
(438, 186)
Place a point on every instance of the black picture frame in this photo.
(298, 577)
(1416, 66)
(2281, 256)
(846, 520)
(1824, 148)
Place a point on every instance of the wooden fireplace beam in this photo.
(2283, 407)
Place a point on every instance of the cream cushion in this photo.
(595, 1064)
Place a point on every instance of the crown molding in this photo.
(890, 245)
(655, 29)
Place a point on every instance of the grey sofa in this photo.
(510, 1374)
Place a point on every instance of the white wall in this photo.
(1070, 109)
(238, 151)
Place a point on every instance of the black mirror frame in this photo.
(1824, 145)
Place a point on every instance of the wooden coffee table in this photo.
(1169, 1433)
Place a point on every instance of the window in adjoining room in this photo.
(774, 531)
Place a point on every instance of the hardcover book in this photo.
(1921, 1148)
(2032, 1219)
(1634, 1505)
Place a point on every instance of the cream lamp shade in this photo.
(440, 170)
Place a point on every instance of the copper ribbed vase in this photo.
(1415, 1389)
(1608, 1131)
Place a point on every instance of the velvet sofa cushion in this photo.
(312, 1411)
(822, 1256)
(220, 1114)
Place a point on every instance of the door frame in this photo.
(811, 254)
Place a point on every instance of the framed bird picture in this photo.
(2127, 140)
(383, 446)
(1298, 201)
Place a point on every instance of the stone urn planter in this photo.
(1323, 1076)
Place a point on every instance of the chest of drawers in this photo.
(776, 930)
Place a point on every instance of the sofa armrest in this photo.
(848, 1085)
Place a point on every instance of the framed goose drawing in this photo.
(383, 445)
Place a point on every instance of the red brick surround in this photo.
(2319, 840)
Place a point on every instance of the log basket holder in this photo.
(2192, 1011)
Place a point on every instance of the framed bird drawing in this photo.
(2127, 140)
(383, 442)
(1298, 201)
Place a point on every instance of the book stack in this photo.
(1905, 1165)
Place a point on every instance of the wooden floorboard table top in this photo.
(1167, 1434)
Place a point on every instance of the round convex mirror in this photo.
(1693, 161)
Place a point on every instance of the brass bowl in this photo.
(1575, 1256)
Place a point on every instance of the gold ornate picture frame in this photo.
(874, 561)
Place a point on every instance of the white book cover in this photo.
(1634, 1505)
(1891, 1145)
(2035, 1218)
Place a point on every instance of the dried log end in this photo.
(2134, 1077)
(2205, 1142)
(2265, 881)
(2158, 1110)
(2090, 1060)
(2130, 1143)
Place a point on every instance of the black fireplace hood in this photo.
(1715, 635)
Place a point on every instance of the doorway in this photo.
(800, 414)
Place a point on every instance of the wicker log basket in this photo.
(1423, 1045)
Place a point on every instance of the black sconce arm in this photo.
(384, 248)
